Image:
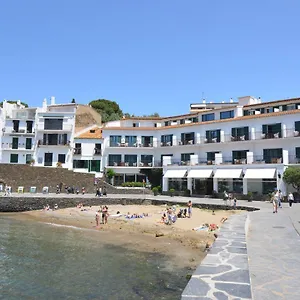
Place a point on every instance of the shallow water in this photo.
(41, 261)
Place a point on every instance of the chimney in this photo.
(52, 101)
(45, 104)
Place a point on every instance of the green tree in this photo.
(110, 173)
(13, 102)
(73, 101)
(109, 110)
(292, 176)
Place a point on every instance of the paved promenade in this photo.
(256, 256)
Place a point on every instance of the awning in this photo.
(175, 173)
(228, 173)
(200, 173)
(260, 173)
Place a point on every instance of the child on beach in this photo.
(190, 209)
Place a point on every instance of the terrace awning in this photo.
(260, 173)
(175, 173)
(228, 173)
(206, 173)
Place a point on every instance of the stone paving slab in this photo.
(274, 254)
(224, 272)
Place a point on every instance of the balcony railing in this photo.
(132, 145)
(9, 146)
(47, 143)
(259, 135)
(210, 140)
(186, 142)
(259, 159)
(77, 151)
(65, 127)
(294, 159)
(140, 164)
(97, 151)
(17, 131)
(292, 133)
(166, 144)
(237, 138)
(234, 161)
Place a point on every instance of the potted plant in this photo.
(171, 192)
(110, 173)
(59, 164)
(250, 196)
(155, 191)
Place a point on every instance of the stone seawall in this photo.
(18, 204)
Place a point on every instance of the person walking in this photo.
(275, 202)
(97, 218)
(291, 199)
(280, 198)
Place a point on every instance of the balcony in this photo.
(234, 161)
(237, 138)
(292, 133)
(20, 146)
(136, 164)
(65, 127)
(259, 135)
(48, 143)
(294, 159)
(77, 151)
(166, 144)
(186, 142)
(20, 131)
(210, 140)
(259, 159)
(97, 151)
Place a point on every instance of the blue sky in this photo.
(149, 56)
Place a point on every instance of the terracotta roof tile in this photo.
(94, 133)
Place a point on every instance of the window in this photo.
(188, 138)
(167, 123)
(28, 143)
(53, 124)
(16, 125)
(147, 160)
(136, 124)
(297, 150)
(240, 133)
(208, 117)
(28, 158)
(130, 140)
(271, 131)
(29, 126)
(226, 114)
(213, 136)
(80, 164)
(147, 141)
(114, 140)
(297, 126)
(15, 143)
(167, 140)
(14, 158)
(211, 156)
(131, 160)
(61, 158)
(155, 124)
(273, 155)
(114, 159)
(186, 157)
(239, 154)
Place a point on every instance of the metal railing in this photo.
(259, 135)
(77, 151)
(47, 143)
(261, 159)
(186, 142)
(294, 159)
(138, 164)
(97, 151)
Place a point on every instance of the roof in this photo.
(285, 101)
(92, 133)
(242, 118)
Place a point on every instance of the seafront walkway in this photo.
(256, 255)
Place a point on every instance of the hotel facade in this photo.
(242, 146)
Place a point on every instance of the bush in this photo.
(155, 191)
(159, 189)
(171, 192)
(250, 196)
(133, 184)
(187, 193)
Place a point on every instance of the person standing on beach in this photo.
(291, 199)
(97, 218)
(190, 204)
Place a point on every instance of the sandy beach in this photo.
(186, 247)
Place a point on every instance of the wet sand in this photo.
(185, 246)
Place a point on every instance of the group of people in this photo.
(101, 192)
(170, 216)
(230, 197)
(277, 198)
(104, 215)
(69, 189)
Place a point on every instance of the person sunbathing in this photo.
(224, 219)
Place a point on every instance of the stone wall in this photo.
(27, 176)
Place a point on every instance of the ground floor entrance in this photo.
(202, 186)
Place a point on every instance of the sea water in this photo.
(42, 261)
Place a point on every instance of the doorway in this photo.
(48, 159)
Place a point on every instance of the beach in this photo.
(185, 247)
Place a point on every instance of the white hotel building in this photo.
(242, 146)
